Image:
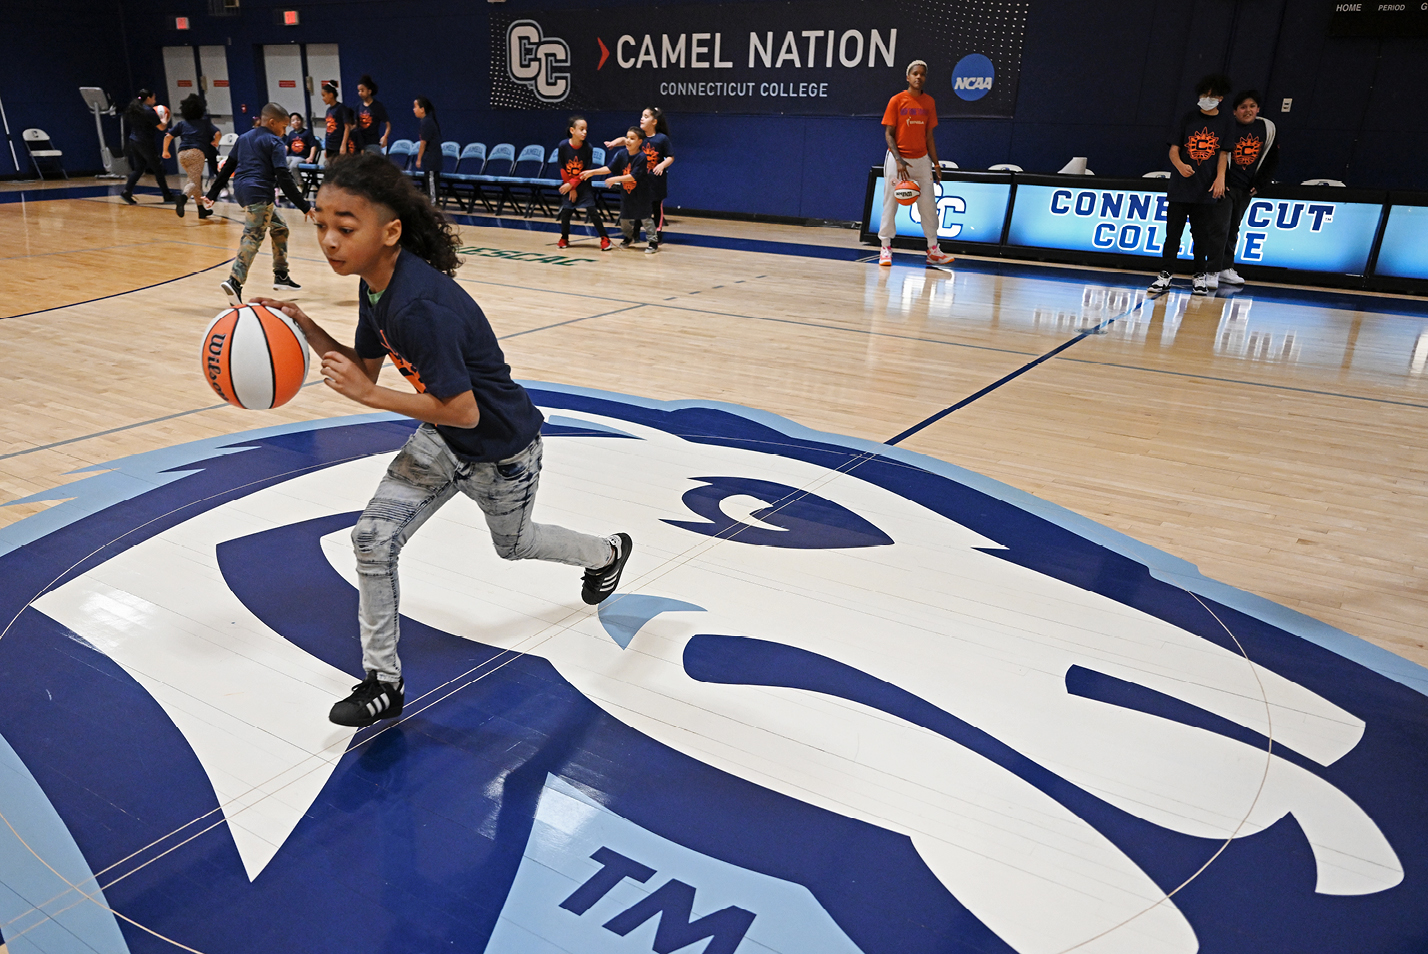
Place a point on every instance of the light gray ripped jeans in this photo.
(425, 475)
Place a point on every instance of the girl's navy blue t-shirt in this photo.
(441, 342)
(338, 117)
(191, 134)
(634, 196)
(656, 148)
(430, 134)
(371, 121)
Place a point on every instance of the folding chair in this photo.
(400, 152)
(500, 163)
(544, 189)
(470, 163)
(38, 145)
(523, 175)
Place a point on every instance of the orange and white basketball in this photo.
(163, 112)
(906, 192)
(254, 357)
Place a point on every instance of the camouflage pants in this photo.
(259, 218)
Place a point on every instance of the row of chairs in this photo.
(497, 179)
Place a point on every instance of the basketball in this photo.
(254, 357)
(163, 112)
(906, 192)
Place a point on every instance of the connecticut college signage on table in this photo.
(842, 57)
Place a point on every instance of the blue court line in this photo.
(929, 421)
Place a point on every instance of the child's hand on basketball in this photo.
(288, 308)
(346, 378)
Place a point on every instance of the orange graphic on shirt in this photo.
(651, 156)
(331, 124)
(364, 119)
(1202, 145)
(403, 365)
(1247, 150)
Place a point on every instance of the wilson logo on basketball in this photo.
(254, 357)
(1202, 145)
(1247, 150)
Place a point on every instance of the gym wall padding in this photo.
(1100, 79)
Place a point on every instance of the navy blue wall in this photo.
(1100, 78)
(47, 51)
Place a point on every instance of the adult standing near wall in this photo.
(908, 123)
(1254, 156)
(140, 149)
(373, 126)
(1199, 145)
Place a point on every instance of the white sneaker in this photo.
(1201, 285)
(1212, 279)
(1231, 277)
(885, 255)
(1160, 284)
(935, 256)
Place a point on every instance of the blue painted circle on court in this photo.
(438, 833)
(973, 76)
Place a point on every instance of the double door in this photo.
(295, 74)
(202, 70)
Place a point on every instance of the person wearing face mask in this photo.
(1199, 153)
(1254, 155)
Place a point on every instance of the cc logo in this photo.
(531, 59)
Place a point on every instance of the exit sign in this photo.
(290, 18)
(180, 23)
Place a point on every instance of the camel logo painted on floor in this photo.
(847, 699)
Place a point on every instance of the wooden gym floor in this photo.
(1288, 461)
(924, 749)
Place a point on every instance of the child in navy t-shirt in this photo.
(630, 171)
(574, 156)
(338, 129)
(480, 431)
(258, 165)
(302, 145)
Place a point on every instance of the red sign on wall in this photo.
(287, 84)
(185, 82)
(220, 82)
(180, 23)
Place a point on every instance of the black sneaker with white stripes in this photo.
(371, 700)
(283, 282)
(600, 583)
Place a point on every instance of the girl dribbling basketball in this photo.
(480, 432)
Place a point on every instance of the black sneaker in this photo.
(204, 213)
(600, 583)
(128, 197)
(284, 282)
(371, 700)
(182, 200)
(233, 288)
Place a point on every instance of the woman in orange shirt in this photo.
(912, 154)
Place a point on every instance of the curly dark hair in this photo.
(192, 108)
(426, 232)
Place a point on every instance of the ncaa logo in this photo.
(972, 77)
(531, 59)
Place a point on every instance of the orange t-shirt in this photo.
(911, 118)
